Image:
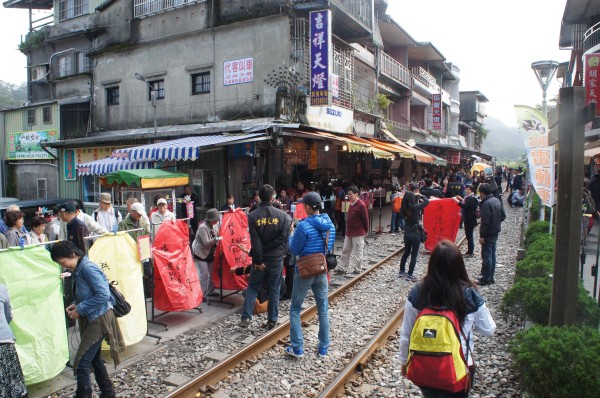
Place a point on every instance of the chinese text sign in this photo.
(238, 71)
(321, 48)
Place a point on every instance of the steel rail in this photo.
(220, 370)
(357, 363)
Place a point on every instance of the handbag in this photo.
(121, 307)
(422, 233)
(312, 265)
(211, 255)
(330, 258)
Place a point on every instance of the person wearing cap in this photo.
(106, 215)
(357, 227)
(269, 229)
(76, 231)
(204, 246)
(309, 238)
(94, 228)
(137, 220)
(162, 215)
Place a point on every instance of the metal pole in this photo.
(153, 95)
(568, 221)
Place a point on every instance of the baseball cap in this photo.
(161, 200)
(68, 207)
(312, 199)
(139, 208)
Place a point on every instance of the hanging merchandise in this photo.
(441, 219)
(177, 287)
(117, 255)
(34, 286)
(229, 256)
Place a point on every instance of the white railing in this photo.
(395, 70)
(423, 76)
(142, 8)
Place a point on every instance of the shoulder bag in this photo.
(121, 307)
(422, 233)
(316, 263)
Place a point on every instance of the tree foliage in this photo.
(12, 94)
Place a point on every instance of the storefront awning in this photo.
(419, 155)
(146, 179)
(187, 148)
(108, 165)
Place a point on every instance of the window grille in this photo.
(47, 115)
(42, 192)
(72, 8)
(365, 88)
(31, 116)
(112, 96)
(201, 83)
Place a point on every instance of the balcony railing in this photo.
(395, 70)
(400, 130)
(591, 37)
(359, 9)
(424, 77)
(142, 8)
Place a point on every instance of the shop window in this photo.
(201, 83)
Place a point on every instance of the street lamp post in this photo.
(152, 95)
(544, 71)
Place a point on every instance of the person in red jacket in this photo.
(357, 225)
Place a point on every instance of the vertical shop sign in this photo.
(534, 128)
(69, 164)
(592, 79)
(321, 49)
(436, 106)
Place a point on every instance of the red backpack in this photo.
(435, 355)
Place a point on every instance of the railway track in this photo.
(198, 386)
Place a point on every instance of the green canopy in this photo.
(147, 178)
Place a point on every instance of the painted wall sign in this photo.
(26, 145)
(321, 53)
(238, 71)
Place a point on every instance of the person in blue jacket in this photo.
(309, 238)
(93, 307)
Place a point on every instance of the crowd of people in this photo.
(277, 243)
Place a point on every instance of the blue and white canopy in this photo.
(187, 148)
(108, 165)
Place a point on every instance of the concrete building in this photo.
(128, 73)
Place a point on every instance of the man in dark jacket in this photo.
(269, 231)
(518, 180)
(492, 215)
(469, 206)
(430, 191)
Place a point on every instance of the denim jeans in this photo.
(488, 257)
(397, 222)
(320, 288)
(272, 274)
(90, 359)
(469, 234)
(412, 242)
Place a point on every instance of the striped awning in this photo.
(187, 148)
(108, 165)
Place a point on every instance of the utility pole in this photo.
(572, 116)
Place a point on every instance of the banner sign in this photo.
(27, 145)
(177, 287)
(229, 256)
(321, 56)
(117, 255)
(441, 219)
(436, 107)
(69, 164)
(35, 290)
(592, 80)
(534, 128)
(331, 117)
(238, 71)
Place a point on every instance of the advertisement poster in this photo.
(26, 145)
(321, 51)
(238, 71)
(540, 157)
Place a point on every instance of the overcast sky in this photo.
(492, 42)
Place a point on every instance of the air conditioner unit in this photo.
(38, 73)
